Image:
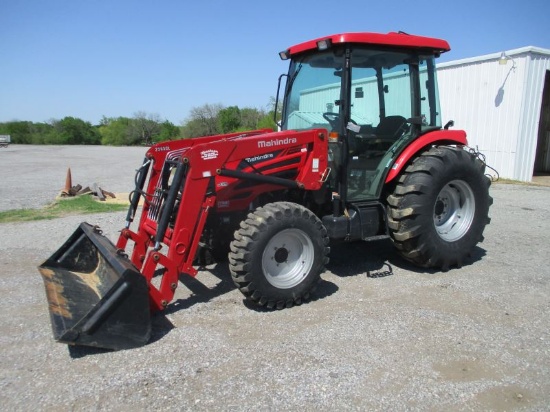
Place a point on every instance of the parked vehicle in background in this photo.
(5, 140)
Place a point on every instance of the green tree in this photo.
(145, 128)
(39, 131)
(267, 122)
(229, 119)
(169, 131)
(192, 128)
(115, 131)
(19, 131)
(71, 130)
(23, 132)
(250, 118)
(208, 120)
(202, 121)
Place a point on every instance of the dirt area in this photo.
(541, 179)
(379, 334)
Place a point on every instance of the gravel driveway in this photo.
(475, 338)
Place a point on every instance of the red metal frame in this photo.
(302, 153)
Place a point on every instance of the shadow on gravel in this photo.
(476, 255)
(323, 289)
(160, 327)
(160, 324)
(203, 293)
(200, 292)
(376, 259)
(355, 258)
(77, 352)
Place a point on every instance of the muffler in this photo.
(96, 296)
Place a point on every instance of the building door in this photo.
(542, 160)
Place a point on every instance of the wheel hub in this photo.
(439, 207)
(287, 258)
(454, 210)
(281, 255)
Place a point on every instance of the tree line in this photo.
(141, 129)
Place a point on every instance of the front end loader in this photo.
(100, 296)
(361, 155)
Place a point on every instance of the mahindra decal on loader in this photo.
(361, 155)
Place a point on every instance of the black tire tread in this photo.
(405, 204)
(244, 242)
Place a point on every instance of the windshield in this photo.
(314, 89)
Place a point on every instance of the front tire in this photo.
(278, 254)
(439, 208)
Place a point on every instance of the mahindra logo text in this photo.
(277, 142)
(259, 158)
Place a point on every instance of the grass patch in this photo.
(63, 207)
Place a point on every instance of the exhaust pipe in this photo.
(96, 296)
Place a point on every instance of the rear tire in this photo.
(439, 208)
(278, 254)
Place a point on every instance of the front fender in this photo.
(437, 137)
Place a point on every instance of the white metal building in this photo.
(502, 100)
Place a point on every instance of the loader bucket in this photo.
(96, 296)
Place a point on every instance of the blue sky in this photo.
(94, 58)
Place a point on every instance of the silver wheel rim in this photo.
(287, 258)
(454, 210)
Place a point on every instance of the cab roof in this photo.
(397, 39)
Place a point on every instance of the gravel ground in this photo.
(32, 176)
(475, 338)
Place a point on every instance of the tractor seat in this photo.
(391, 127)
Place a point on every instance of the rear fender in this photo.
(438, 137)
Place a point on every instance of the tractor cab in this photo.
(373, 99)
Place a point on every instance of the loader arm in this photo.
(188, 178)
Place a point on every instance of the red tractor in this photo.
(361, 155)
